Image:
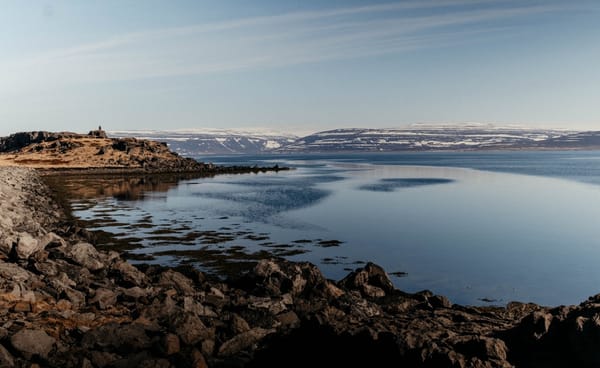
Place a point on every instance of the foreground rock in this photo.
(66, 304)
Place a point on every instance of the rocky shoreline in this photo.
(66, 304)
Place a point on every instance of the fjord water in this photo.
(476, 227)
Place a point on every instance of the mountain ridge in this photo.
(415, 137)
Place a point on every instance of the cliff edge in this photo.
(95, 150)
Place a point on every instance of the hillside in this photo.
(436, 137)
(67, 150)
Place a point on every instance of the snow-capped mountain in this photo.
(214, 141)
(420, 137)
(417, 137)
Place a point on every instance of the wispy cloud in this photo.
(274, 41)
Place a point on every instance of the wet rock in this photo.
(182, 284)
(87, 256)
(129, 274)
(439, 301)
(31, 343)
(275, 279)
(371, 281)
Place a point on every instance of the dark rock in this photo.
(75, 297)
(32, 343)
(242, 341)
(277, 278)
(6, 359)
(371, 281)
(482, 347)
(103, 359)
(197, 360)
(182, 284)
(128, 274)
(439, 301)
(189, 328)
(289, 319)
(170, 344)
(238, 324)
(104, 298)
(122, 339)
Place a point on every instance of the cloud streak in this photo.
(273, 41)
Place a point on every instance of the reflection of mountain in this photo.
(119, 187)
(260, 200)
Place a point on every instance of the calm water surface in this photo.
(476, 227)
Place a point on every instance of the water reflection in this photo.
(122, 187)
(389, 185)
(468, 234)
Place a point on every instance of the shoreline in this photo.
(68, 304)
(126, 171)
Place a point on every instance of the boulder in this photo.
(87, 256)
(13, 272)
(27, 245)
(296, 278)
(104, 298)
(31, 343)
(122, 339)
(174, 279)
(189, 328)
(371, 281)
(129, 275)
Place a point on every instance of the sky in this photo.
(297, 66)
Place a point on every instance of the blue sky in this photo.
(297, 66)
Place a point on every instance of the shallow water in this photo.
(470, 226)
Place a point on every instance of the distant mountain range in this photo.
(418, 137)
(214, 141)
